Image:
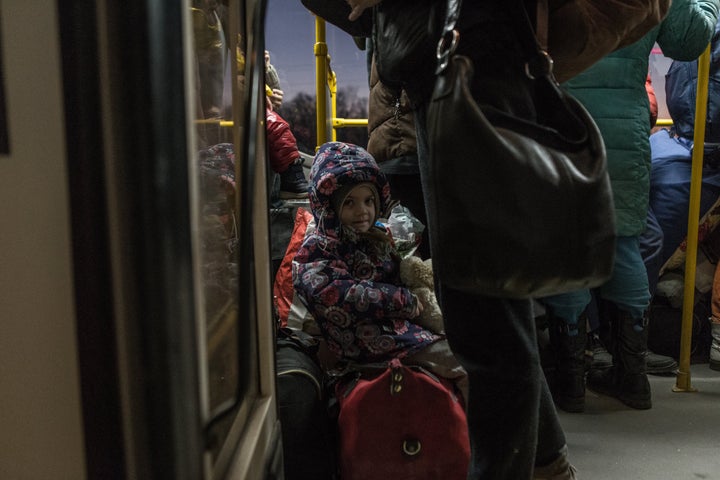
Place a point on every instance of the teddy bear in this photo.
(417, 275)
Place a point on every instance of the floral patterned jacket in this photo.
(350, 282)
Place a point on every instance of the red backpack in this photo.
(405, 423)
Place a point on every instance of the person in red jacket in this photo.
(284, 156)
(283, 153)
(653, 101)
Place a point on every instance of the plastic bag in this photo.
(406, 230)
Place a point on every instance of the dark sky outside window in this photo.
(290, 37)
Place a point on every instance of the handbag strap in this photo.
(449, 37)
(534, 39)
(541, 25)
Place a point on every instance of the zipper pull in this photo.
(396, 111)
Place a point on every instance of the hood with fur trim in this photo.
(338, 165)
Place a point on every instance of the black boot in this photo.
(293, 183)
(626, 380)
(547, 355)
(568, 346)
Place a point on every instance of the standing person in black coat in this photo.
(514, 429)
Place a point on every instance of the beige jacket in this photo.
(391, 127)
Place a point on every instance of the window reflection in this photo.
(218, 222)
(219, 263)
(212, 71)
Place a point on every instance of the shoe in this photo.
(660, 364)
(293, 183)
(600, 358)
(559, 469)
(715, 347)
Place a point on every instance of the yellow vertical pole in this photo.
(683, 383)
(321, 70)
(332, 85)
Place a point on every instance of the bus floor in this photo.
(677, 439)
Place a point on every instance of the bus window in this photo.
(223, 368)
(234, 319)
(217, 222)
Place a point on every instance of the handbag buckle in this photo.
(539, 66)
(446, 47)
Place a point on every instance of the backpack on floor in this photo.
(307, 431)
(665, 327)
(404, 423)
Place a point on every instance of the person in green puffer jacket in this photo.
(613, 91)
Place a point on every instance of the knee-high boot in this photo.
(627, 379)
(568, 346)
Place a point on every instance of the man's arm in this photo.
(690, 25)
(584, 31)
(581, 32)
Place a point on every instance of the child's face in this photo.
(358, 209)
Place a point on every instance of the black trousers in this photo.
(512, 421)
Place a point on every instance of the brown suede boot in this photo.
(559, 469)
(715, 347)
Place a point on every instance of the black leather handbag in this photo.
(517, 209)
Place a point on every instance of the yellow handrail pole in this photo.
(211, 121)
(332, 87)
(349, 122)
(682, 383)
(321, 69)
(326, 82)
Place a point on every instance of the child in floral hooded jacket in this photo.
(347, 270)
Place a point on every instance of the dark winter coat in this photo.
(681, 93)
